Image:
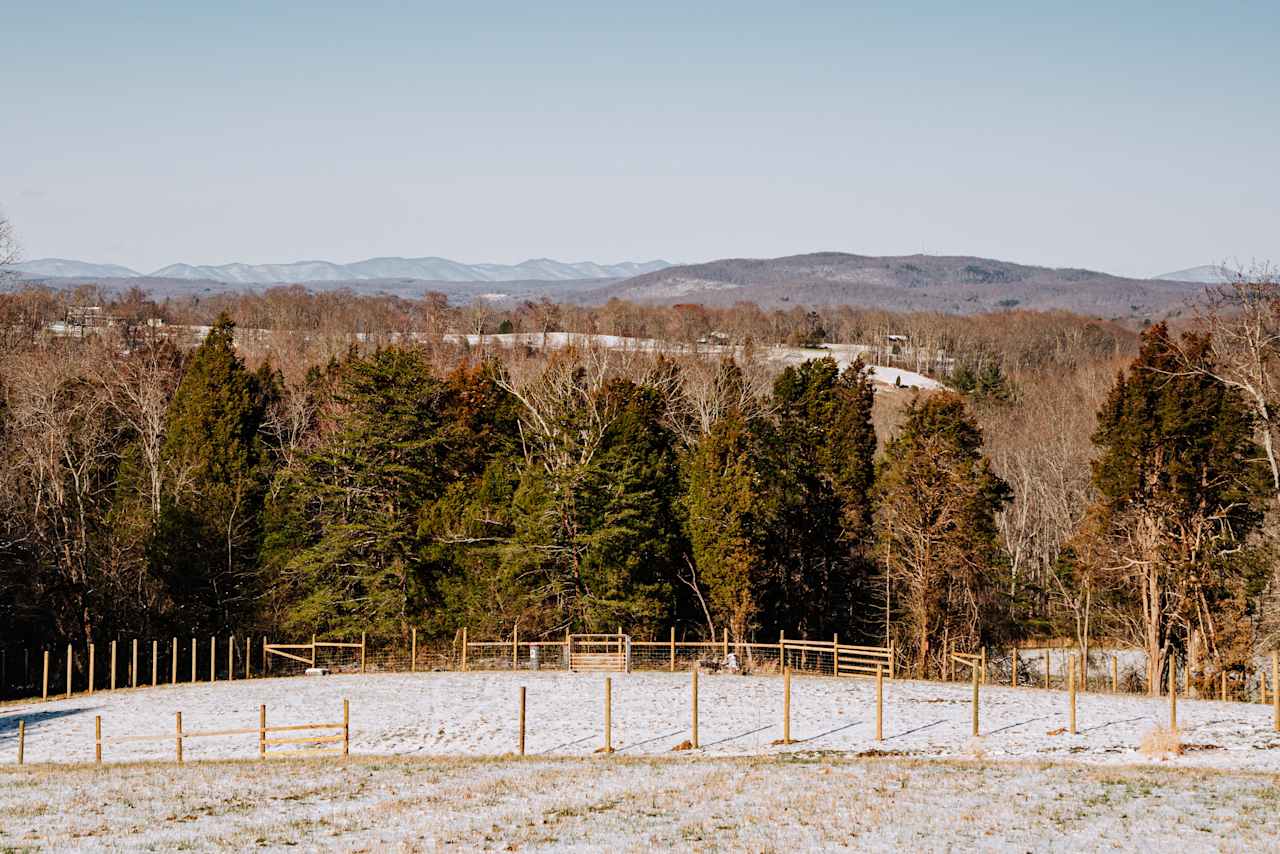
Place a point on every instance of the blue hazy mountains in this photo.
(425, 269)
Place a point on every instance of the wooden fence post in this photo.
(893, 658)
(983, 677)
(70, 666)
(1071, 699)
(231, 657)
(266, 665)
(1173, 694)
(133, 666)
(879, 703)
(695, 708)
(262, 731)
(975, 701)
(413, 650)
(608, 715)
(248, 651)
(1275, 690)
(786, 705)
(213, 658)
(464, 649)
(1015, 668)
(1223, 690)
(515, 647)
(177, 739)
(835, 655)
(173, 668)
(155, 662)
(113, 665)
(1115, 673)
(44, 680)
(363, 639)
(346, 727)
(195, 655)
(97, 739)
(91, 667)
(522, 697)
(22, 739)
(726, 643)
(673, 650)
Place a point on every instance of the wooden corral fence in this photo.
(341, 738)
(975, 661)
(306, 652)
(846, 659)
(600, 653)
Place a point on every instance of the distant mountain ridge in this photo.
(427, 269)
(952, 284)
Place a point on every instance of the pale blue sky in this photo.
(1131, 137)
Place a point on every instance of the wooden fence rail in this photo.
(179, 736)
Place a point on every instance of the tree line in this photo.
(151, 488)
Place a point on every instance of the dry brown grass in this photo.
(1161, 743)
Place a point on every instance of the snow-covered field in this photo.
(775, 804)
(430, 769)
(475, 714)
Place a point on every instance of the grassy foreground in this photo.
(797, 802)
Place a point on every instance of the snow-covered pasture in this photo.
(806, 802)
(475, 714)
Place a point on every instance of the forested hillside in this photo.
(291, 463)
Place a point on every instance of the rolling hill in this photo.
(953, 284)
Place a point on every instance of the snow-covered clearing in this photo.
(430, 768)
(782, 804)
(475, 714)
(778, 354)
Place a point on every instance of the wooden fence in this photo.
(265, 741)
(974, 662)
(135, 663)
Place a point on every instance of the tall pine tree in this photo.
(823, 451)
(207, 540)
(344, 528)
(1181, 486)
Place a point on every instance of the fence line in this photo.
(262, 731)
(266, 740)
(53, 673)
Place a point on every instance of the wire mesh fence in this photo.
(128, 662)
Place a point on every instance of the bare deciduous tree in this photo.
(138, 387)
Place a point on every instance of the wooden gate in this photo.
(837, 659)
(306, 652)
(600, 653)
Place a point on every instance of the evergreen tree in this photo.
(344, 528)
(823, 456)
(207, 539)
(729, 514)
(1180, 487)
(601, 534)
(938, 499)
